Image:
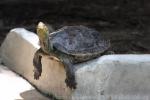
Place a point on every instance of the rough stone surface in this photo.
(111, 77)
(13, 87)
(114, 77)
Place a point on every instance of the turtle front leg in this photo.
(70, 74)
(37, 64)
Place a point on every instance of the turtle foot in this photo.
(37, 69)
(37, 74)
(37, 64)
(71, 82)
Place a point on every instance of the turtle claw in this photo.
(70, 82)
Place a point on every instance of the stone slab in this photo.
(109, 77)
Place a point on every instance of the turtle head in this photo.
(43, 33)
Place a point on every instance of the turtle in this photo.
(71, 45)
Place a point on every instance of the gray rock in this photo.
(111, 77)
(115, 77)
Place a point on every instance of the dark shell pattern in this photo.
(78, 40)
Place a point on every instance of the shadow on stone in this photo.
(33, 95)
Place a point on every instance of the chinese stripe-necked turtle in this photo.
(71, 45)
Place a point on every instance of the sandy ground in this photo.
(13, 87)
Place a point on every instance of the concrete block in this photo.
(108, 77)
(17, 52)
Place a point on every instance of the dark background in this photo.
(125, 22)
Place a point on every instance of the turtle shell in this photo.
(78, 40)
